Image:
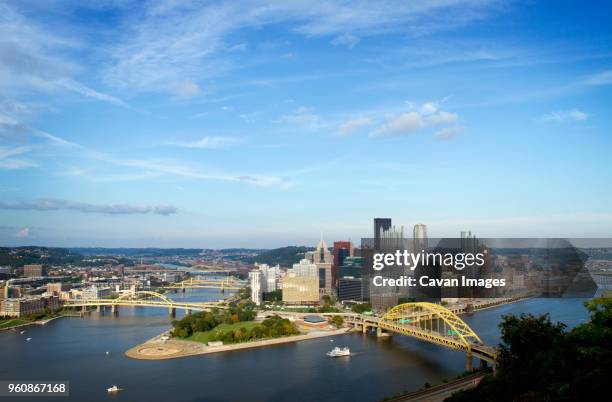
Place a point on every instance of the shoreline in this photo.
(157, 349)
(43, 321)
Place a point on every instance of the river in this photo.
(74, 349)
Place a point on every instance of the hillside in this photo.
(284, 256)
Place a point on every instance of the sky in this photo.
(268, 123)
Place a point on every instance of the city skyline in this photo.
(261, 124)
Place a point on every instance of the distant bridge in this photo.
(144, 299)
(229, 283)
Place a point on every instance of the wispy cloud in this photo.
(427, 115)
(208, 142)
(565, 115)
(175, 45)
(449, 133)
(35, 59)
(25, 232)
(7, 160)
(602, 78)
(301, 116)
(347, 40)
(353, 126)
(53, 204)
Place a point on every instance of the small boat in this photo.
(107, 353)
(337, 352)
(114, 388)
(28, 339)
(22, 332)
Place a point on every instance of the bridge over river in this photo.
(144, 299)
(425, 321)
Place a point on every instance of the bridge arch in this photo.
(432, 322)
(150, 294)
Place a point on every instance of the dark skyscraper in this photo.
(342, 249)
(380, 224)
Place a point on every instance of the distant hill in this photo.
(20, 256)
(285, 256)
(137, 252)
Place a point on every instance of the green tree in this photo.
(542, 361)
(338, 321)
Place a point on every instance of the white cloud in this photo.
(345, 40)
(7, 160)
(449, 133)
(603, 78)
(53, 204)
(25, 232)
(173, 41)
(352, 126)
(565, 115)
(427, 115)
(186, 90)
(208, 142)
(301, 116)
(33, 58)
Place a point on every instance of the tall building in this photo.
(419, 235)
(303, 290)
(389, 240)
(256, 288)
(350, 289)
(301, 284)
(57, 288)
(33, 270)
(269, 279)
(342, 250)
(380, 225)
(304, 268)
(323, 259)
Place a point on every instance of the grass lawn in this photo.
(12, 322)
(204, 337)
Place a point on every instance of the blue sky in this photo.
(263, 124)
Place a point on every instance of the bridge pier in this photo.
(469, 366)
(483, 364)
(172, 312)
(188, 311)
(99, 309)
(114, 309)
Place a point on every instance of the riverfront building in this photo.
(33, 270)
(301, 284)
(256, 288)
(323, 259)
(24, 306)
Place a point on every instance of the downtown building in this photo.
(324, 261)
(301, 284)
(263, 280)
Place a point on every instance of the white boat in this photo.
(337, 352)
(28, 339)
(114, 388)
(22, 332)
(107, 353)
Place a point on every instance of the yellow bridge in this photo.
(143, 299)
(230, 283)
(431, 323)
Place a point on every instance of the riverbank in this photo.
(161, 348)
(42, 321)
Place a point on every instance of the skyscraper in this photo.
(324, 261)
(256, 288)
(342, 249)
(419, 235)
(380, 225)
